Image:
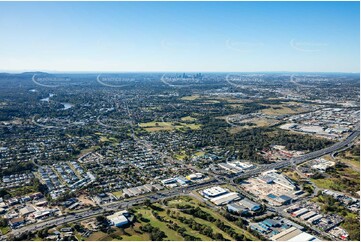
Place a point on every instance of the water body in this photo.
(47, 98)
(67, 106)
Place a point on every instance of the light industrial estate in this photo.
(195, 157)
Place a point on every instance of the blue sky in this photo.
(180, 36)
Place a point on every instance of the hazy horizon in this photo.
(180, 36)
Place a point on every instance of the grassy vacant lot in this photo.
(180, 156)
(118, 194)
(253, 123)
(5, 230)
(168, 126)
(108, 139)
(351, 160)
(281, 109)
(292, 175)
(188, 119)
(190, 98)
(158, 126)
(345, 177)
(237, 106)
(341, 179)
(199, 153)
(210, 101)
(327, 183)
(83, 152)
(231, 100)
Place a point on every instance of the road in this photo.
(180, 190)
(112, 207)
(296, 161)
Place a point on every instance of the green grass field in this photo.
(345, 179)
(349, 159)
(5, 230)
(168, 126)
(256, 123)
(188, 119)
(326, 183)
(190, 98)
(180, 156)
(146, 213)
(281, 109)
(118, 194)
(199, 153)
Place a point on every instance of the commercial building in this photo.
(42, 214)
(182, 180)
(168, 181)
(15, 222)
(230, 168)
(300, 212)
(136, 191)
(308, 215)
(322, 165)
(194, 176)
(236, 166)
(273, 176)
(314, 219)
(286, 234)
(103, 198)
(237, 208)
(303, 237)
(243, 206)
(225, 199)
(283, 199)
(214, 192)
(26, 210)
(271, 223)
(119, 219)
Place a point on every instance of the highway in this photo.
(296, 161)
(111, 207)
(180, 190)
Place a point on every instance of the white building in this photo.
(194, 176)
(214, 192)
(225, 198)
(119, 219)
(280, 179)
(323, 164)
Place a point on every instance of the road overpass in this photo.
(298, 160)
(180, 190)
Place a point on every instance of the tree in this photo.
(218, 236)
(3, 222)
(101, 219)
(4, 193)
(147, 202)
(43, 233)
